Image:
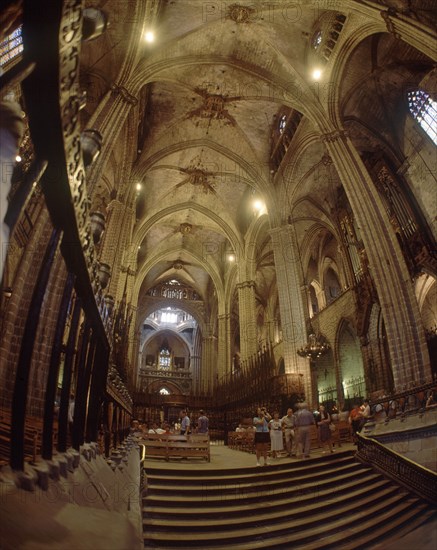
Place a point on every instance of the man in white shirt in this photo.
(155, 429)
(185, 422)
(287, 423)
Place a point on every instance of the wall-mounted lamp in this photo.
(91, 143)
(94, 23)
(7, 292)
(104, 274)
(97, 226)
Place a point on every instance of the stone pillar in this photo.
(404, 327)
(114, 243)
(209, 360)
(247, 314)
(195, 370)
(292, 297)
(224, 353)
(411, 31)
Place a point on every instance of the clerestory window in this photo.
(424, 110)
(11, 47)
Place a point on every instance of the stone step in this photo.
(369, 484)
(318, 531)
(258, 492)
(268, 515)
(199, 477)
(251, 483)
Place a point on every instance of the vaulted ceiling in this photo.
(210, 90)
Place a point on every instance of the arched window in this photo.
(424, 110)
(282, 124)
(11, 47)
(316, 39)
(164, 359)
(332, 286)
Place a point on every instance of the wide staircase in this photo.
(331, 502)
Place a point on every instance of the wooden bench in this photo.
(176, 446)
(242, 441)
(32, 436)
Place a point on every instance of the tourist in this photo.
(303, 422)
(185, 422)
(202, 423)
(355, 421)
(155, 429)
(324, 432)
(287, 422)
(276, 438)
(262, 436)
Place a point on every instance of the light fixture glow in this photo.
(231, 258)
(149, 36)
(257, 205)
(18, 158)
(138, 187)
(317, 73)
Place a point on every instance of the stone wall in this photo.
(413, 437)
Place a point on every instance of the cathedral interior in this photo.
(207, 205)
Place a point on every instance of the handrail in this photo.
(416, 478)
(404, 393)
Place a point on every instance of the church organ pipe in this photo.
(19, 398)
(395, 202)
(52, 377)
(351, 243)
(67, 377)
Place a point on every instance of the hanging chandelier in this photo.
(315, 348)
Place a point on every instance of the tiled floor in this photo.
(224, 458)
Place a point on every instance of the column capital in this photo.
(224, 316)
(335, 135)
(386, 15)
(246, 284)
(124, 93)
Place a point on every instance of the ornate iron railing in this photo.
(414, 477)
(171, 373)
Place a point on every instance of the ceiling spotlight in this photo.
(317, 73)
(138, 187)
(149, 36)
(231, 258)
(258, 205)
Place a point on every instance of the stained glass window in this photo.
(11, 47)
(164, 359)
(424, 110)
(282, 123)
(317, 39)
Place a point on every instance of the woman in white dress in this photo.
(276, 441)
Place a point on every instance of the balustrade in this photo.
(416, 478)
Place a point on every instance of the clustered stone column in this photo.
(247, 314)
(209, 362)
(115, 241)
(224, 332)
(291, 303)
(405, 333)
